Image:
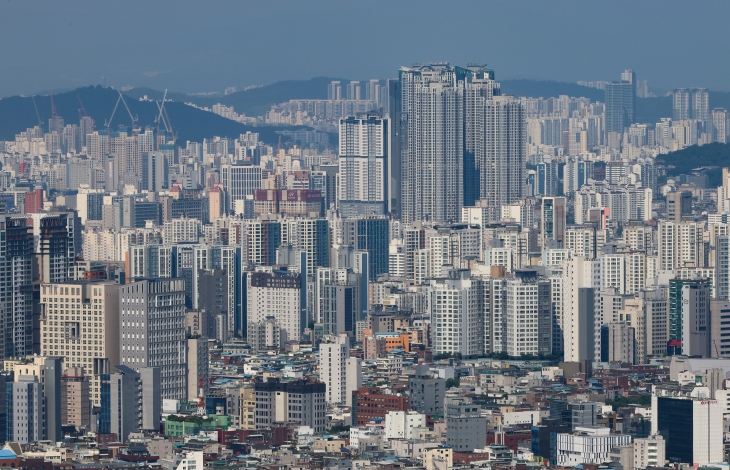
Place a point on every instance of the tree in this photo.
(452, 382)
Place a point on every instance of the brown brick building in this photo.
(369, 404)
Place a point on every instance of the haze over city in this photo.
(196, 46)
(364, 235)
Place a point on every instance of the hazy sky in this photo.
(207, 45)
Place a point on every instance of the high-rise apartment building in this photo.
(152, 329)
(701, 104)
(680, 104)
(80, 323)
(365, 172)
(16, 306)
(457, 314)
(341, 373)
(371, 234)
(580, 279)
(528, 315)
(431, 133)
(297, 403)
(719, 125)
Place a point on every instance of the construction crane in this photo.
(108, 124)
(40, 123)
(133, 118)
(163, 117)
(82, 108)
(54, 114)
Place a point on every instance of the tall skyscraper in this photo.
(620, 99)
(152, 328)
(680, 104)
(239, 181)
(16, 298)
(689, 315)
(431, 130)
(371, 234)
(364, 168)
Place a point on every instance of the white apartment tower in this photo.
(364, 168)
(341, 373)
(457, 313)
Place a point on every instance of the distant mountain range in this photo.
(189, 123)
(18, 113)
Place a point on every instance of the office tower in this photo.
(543, 442)
(689, 315)
(620, 105)
(152, 327)
(277, 294)
(121, 410)
(75, 398)
(575, 174)
(719, 125)
(457, 314)
(371, 234)
(701, 104)
(679, 206)
(274, 401)
(333, 372)
(432, 142)
(239, 181)
(691, 427)
(680, 104)
(25, 410)
(57, 241)
(334, 90)
(33, 201)
(16, 303)
(528, 315)
(79, 323)
(552, 226)
(427, 391)
(364, 165)
(154, 172)
(353, 90)
(466, 428)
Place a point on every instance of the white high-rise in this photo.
(719, 125)
(364, 170)
(457, 314)
(341, 373)
(432, 142)
(581, 278)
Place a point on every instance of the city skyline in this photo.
(117, 46)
